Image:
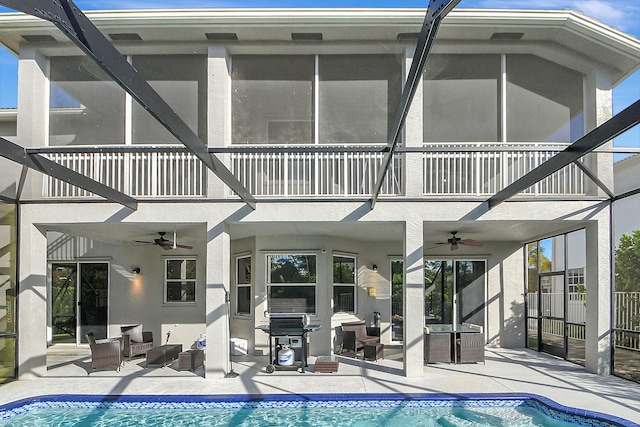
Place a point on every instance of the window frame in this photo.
(353, 285)
(269, 283)
(182, 279)
(243, 285)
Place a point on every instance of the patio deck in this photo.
(505, 371)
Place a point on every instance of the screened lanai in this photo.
(377, 173)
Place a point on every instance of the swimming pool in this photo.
(301, 410)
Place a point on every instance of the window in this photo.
(575, 280)
(291, 283)
(243, 285)
(180, 280)
(344, 284)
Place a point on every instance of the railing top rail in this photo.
(302, 148)
(456, 147)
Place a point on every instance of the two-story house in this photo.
(296, 107)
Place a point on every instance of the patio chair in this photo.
(470, 348)
(105, 352)
(437, 347)
(355, 335)
(136, 341)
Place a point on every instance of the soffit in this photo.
(569, 30)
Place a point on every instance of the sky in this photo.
(622, 14)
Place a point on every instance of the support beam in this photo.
(436, 11)
(593, 177)
(65, 15)
(17, 154)
(620, 123)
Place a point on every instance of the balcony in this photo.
(471, 169)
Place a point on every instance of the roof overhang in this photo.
(564, 31)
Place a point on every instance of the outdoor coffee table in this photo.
(163, 354)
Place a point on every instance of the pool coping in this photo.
(556, 409)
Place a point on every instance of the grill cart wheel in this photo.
(270, 369)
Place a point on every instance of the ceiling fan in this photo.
(454, 241)
(164, 243)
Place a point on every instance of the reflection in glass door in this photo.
(79, 301)
(454, 292)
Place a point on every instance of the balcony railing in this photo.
(471, 169)
(483, 169)
(162, 173)
(316, 171)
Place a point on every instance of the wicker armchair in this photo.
(356, 334)
(105, 352)
(437, 347)
(470, 348)
(136, 341)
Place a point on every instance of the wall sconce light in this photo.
(372, 291)
(375, 268)
(136, 270)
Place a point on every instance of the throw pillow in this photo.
(134, 332)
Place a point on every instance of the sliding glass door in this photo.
(455, 292)
(79, 301)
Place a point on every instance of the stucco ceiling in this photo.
(193, 234)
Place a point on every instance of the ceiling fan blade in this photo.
(183, 246)
(166, 245)
(142, 241)
(470, 242)
(437, 245)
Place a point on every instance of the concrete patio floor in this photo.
(505, 371)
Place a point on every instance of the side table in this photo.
(374, 351)
(326, 364)
(190, 360)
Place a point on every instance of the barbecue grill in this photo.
(290, 330)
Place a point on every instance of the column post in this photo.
(599, 293)
(217, 300)
(413, 299)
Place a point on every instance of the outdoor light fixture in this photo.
(136, 270)
(375, 268)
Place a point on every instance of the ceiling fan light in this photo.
(454, 246)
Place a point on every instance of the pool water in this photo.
(298, 411)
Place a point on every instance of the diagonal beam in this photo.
(593, 177)
(37, 162)
(436, 11)
(620, 123)
(65, 15)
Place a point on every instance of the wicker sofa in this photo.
(356, 334)
(136, 341)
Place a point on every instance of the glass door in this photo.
(552, 309)
(64, 305)
(533, 297)
(397, 300)
(554, 325)
(93, 301)
(454, 292)
(79, 301)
